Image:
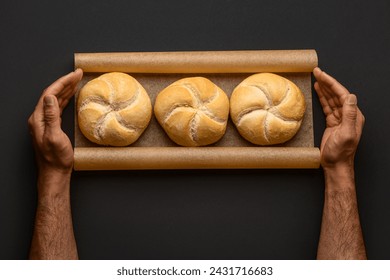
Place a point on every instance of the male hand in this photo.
(344, 122)
(54, 152)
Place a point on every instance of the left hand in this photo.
(54, 152)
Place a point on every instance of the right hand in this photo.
(344, 122)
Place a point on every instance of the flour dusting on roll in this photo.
(267, 109)
(113, 109)
(193, 111)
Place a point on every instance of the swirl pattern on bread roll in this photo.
(267, 109)
(113, 109)
(193, 111)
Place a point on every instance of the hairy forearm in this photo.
(53, 236)
(341, 235)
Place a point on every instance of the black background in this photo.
(206, 214)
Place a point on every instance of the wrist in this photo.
(339, 177)
(58, 170)
(52, 182)
(339, 168)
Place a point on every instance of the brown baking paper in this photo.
(154, 149)
(199, 62)
(194, 158)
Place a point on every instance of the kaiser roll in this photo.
(193, 111)
(113, 109)
(267, 109)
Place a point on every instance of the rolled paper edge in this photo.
(199, 61)
(148, 158)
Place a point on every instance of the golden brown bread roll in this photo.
(113, 109)
(267, 109)
(193, 111)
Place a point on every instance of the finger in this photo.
(360, 121)
(361, 117)
(316, 72)
(350, 111)
(52, 119)
(64, 82)
(323, 100)
(330, 84)
(61, 87)
(36, 126)
(332, 100)
(337, 101)
(38, 120)
(320, 85)
(70, 91)
(324, 81)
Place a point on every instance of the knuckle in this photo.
(30, 122)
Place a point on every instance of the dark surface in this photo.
(210, 214)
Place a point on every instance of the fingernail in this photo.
(352, 100)
(78, 70)
(48, 100)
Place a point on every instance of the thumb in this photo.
(51, 114)
(349, 116)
